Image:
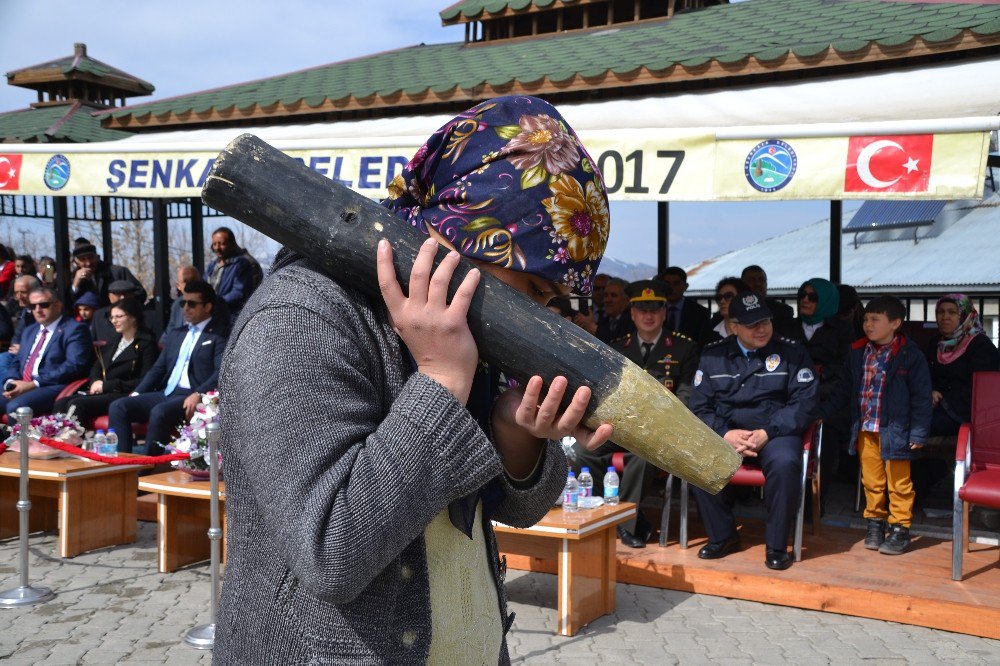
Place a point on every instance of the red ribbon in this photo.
(110, 460)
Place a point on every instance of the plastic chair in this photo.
(977, 463)
(618, 461)
(751, 475)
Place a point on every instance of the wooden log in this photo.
(339, 230)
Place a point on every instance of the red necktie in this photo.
(33, 356)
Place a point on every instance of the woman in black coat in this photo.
(828, 340)
(960, 349)
(119, 367)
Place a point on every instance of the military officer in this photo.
(670, 357)
(759, 392)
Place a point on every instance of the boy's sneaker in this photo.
(897, 542)
(876, 534)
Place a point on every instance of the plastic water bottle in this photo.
(571, 493)
(100, 443)
(611, 487)
(586, 483)
(112, 443)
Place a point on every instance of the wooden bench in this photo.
(183, 518)
(91, 504)
(584, 544)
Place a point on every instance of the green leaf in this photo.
(585, 165)
(481, 223)
(507, 131)
(536, 175)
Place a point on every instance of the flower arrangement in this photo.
(60, 427)
(192, 437)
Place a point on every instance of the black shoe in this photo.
(643, 529)
(714, 551)
(876, 534)
(897, 542)
(629, 539)
(778, 559)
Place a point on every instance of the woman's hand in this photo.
(520, 424)
(96, 387)
(436, 332)
(935, 398)
(543, 420)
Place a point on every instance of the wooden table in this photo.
(183, 516)
(584, 543)
(91, 504)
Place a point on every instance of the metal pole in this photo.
(836, 226)
(60, 224)
(161, 260)
(25, 594)
(662, 236)
(202, 637)
(107, 241)
(197, 235)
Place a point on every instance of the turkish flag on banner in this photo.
(10, 172)
(889, 163)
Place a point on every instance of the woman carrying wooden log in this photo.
(367, 448)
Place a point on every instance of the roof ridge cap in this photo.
(62, 121)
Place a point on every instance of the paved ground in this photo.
(112, 606)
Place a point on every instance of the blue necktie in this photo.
(182, 359)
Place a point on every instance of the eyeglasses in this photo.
(724, 298)
(808, 296)
(190, 304)
(45, 305)
(117, 317)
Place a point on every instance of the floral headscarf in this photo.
(509, 183)
(952, 347)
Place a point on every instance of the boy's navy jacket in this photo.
(906, 398)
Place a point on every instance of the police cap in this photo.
(747, 308)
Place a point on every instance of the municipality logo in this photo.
(56, 173)
(770, 165)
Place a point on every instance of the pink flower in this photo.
(542, 139)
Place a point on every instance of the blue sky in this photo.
(183, 46)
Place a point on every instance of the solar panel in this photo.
(879, 215)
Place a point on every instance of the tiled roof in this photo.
(80, 63)
(470, 9)
(69, 123)
(744, 39)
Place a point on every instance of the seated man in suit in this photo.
(685, 315)
(617, 320)
(54, 351)
(187, 367)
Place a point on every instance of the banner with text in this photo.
(637, 165)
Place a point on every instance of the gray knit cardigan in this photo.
(336, 459)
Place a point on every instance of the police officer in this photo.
(759, 392)
(670, 357)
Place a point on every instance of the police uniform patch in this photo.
(697, 378)
(804, 376)
(772, 362)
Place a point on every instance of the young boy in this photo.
(891, 414)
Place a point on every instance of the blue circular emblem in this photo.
(770, 165)
(56, 173)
